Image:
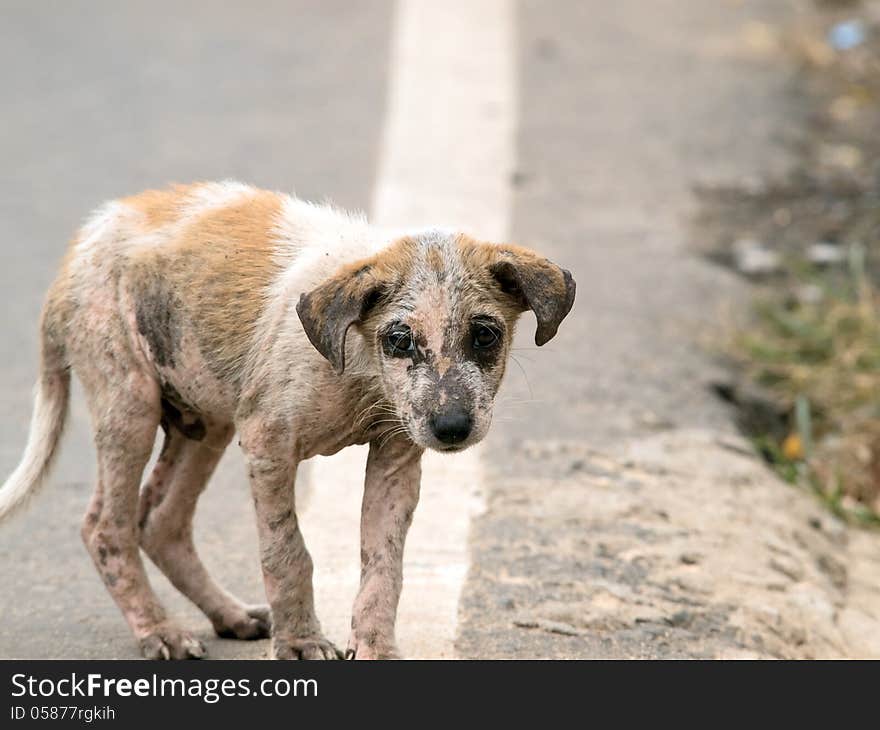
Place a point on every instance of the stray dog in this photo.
(217, 307)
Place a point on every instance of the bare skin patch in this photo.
(157, 320)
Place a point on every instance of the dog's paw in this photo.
(305, 647)
(167, 642)
(371, 650)
(255, 622)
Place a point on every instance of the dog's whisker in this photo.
(375, 414)
(525, 375)
(387, 420)
(511, 400)
(365, 411)
(391, 433)
(380, 408)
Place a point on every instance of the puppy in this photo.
(214, 308)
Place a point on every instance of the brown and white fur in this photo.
(217, 307)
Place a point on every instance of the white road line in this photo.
(447, 156)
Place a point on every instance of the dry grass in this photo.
(821, 359)
(813, 347)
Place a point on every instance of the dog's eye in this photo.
(400, 340)
(484, 337)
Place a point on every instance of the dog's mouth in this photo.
(451, 448)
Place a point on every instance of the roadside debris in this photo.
(825, 254)
(847, 35)
(754, 259)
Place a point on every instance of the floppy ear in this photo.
(535, 283)
(329, 310)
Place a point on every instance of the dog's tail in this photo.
(51, 396)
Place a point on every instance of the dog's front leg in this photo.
(287, 565)
(391, 492)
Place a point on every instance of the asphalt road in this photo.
(622, 107)
(112, 99)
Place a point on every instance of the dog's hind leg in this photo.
(167, 505)
(126, 417)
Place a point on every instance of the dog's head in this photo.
(437, 312)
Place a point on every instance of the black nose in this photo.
(451, 427)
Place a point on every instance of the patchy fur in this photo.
(215, 307)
